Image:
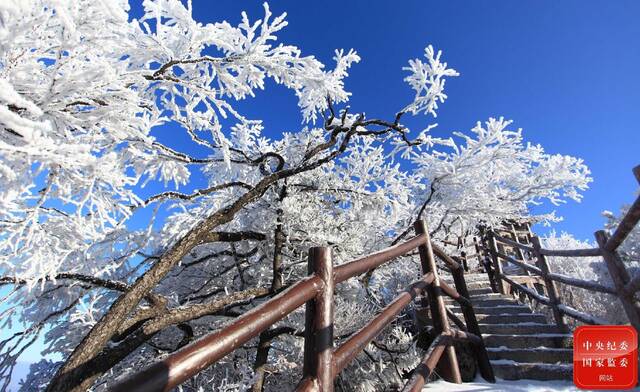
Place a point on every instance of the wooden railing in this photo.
(531, 258)
(322, 363)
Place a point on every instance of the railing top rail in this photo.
(521, 264)
(572, 252)
(438, 251)
(581, 316)
(193, 358)
(512, 243)
(624, 228)
(357, 341)
(581, 283)
(454, 294)
(551, 252)
(528, 291)
(363, 264)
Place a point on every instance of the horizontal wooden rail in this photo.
(629, 221)
(438, 251)
(456, 320)
(572, 252)
(197, 356)
(581, 316)
(584, 284)
(321, 362)
(551, 252)
(352, 347)
(513, 243)
(373, 260)
(453, 294)
(526, 290)
(520, 264)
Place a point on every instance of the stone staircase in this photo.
(521, 344)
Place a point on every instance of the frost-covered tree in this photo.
(84, 88)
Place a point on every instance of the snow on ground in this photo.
(502, 385)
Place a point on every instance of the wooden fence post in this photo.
(497, 263)
(478, 255)
(318, 331)
(519, 253)
(486, 261)
(552, 289)
(449, 363)
(620, 278)
(480, 351)
(463, 261)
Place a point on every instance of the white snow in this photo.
(502, 385)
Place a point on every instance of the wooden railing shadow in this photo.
(323, 362)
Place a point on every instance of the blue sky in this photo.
(566, 72)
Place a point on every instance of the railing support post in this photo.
(478, 254)
(486, 261)
(449, 363)
(480, 351)
(620, 278)
(497, 263)
(519, 252)
(552, 289)
(318, 332)
(463, 261)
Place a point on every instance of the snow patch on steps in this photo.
(479, 385)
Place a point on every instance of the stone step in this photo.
(509, 318)
(528, 341)
(499, 309)
(477, 285)
(519, 329)
(529, 355)
(510, 370)
(488, 302)
(480, 291)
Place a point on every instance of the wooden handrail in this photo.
(520, 264)
(629, 221)
(529, 292)
(438, 251)
(193, 358)
(321, 362)
(354, 345)
(363, 264)
(581, 316)
(456, 320)
(583, 284)
(513, 243)
(551, 252)
(453, 294)
(572, 252)
(627, 224)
